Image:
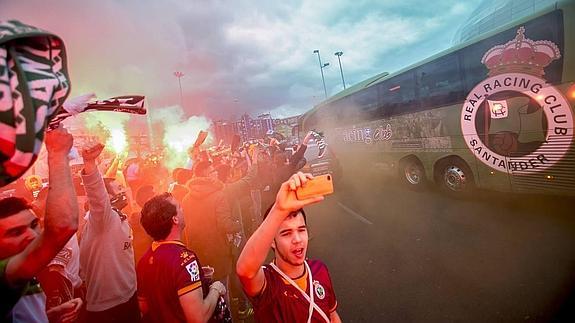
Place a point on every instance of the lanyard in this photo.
(309, 298)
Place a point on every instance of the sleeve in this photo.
(188, 275)
(101, 213)
(266, 295)
(332, 299)
(62, 258)
(298, 155)
(224, 217)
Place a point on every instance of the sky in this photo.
(238, 56)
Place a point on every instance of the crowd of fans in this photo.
(110, 256)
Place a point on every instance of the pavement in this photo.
(401, 256)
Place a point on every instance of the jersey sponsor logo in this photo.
(186, 256)
(514, 121)
(319, 290)
(194, 271)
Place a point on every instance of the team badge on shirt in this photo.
(194, 270)
(319, 290)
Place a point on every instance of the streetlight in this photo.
(338, 54)
(321, 66)
(179, 75)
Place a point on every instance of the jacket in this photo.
(208, 219)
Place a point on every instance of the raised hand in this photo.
(286, 199)
(59, 141)
(91, 153)
(309, 136)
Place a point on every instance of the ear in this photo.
(175, 220)
(274, 244)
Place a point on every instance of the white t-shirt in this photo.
(106, 252)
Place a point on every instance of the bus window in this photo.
(365, 102)
(398, 95)
(440, 82)
(344, 111)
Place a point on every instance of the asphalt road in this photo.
(402, 256)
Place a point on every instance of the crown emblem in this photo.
(521, 55)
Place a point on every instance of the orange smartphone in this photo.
(319, 185)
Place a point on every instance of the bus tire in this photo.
(412, 174)
(455, 178)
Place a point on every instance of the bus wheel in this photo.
(413, 174)
(456, 178)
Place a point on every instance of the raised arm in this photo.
(300, 152)
(244, 183)
(100, 206)
(61, 219)
(256, 249)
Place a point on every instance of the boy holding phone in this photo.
(291, 288)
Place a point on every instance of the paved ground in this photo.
(402, 256)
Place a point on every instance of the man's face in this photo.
(290, 242)
(117, 195)
(17, 231)
(35, 185)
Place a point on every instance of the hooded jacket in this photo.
(208, 218)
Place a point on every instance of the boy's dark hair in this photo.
(12, 205)
(294, 213)
(156, 216)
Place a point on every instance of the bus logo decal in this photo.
(367, 135)
(511, 119)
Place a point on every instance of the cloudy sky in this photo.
(238, 56)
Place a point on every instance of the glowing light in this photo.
(179, 146)
(539, 97)
(117, 140)
(491, 172)
(549, 177)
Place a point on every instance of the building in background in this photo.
(248, 128)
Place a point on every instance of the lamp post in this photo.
(321, 66)
(338, 54)
(179, 75)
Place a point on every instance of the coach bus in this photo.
(495, 112)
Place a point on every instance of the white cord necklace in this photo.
(309, 298)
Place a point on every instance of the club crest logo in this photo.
(514, 121)
(319, 290)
